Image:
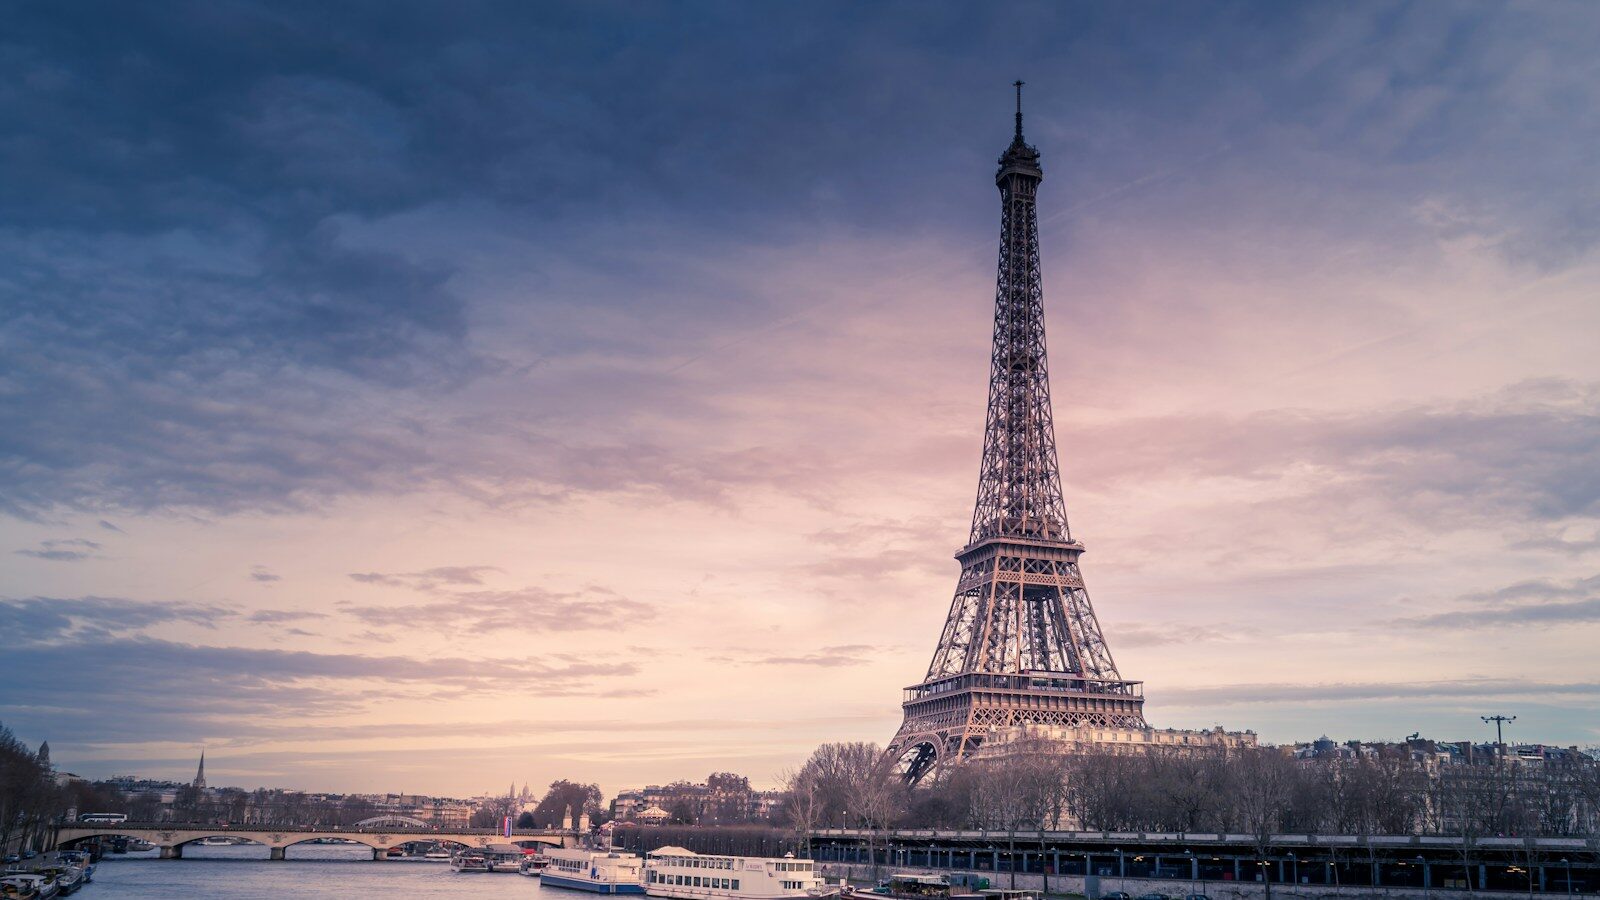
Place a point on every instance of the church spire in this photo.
(200, 774)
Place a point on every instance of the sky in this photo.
(425, 397)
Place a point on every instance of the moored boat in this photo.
(504, 858)
(67, 879)
(469, 861)
(534, 865)
(594, 871)
(79, 860)
(686, 875)
(27, 886)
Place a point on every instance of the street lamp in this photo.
(1295, 862)
(1122, 872)
(1425, 885)
(1568, 863)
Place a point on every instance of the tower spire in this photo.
(1018, 84)
(1021, 644)
(200, 774)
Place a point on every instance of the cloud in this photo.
(487, 611)
(229, 274)
(1528, 452)
(1351, 692)
(828, 657)
(527, 609)
(1139, 635)
(56, 621)
(122, 689)
(279, 616)
(428, 579)
(67, 550)
(110, 527)
(263, 574)
(1537, 591)
(1542, 602)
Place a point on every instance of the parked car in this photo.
(1154, 895)
(1195, 897)
(1117, 895)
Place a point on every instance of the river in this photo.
(243, 872)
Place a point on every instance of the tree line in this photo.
(31, 802)
(1256, 791)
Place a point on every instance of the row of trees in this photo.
(31, 801)
(1254, 791)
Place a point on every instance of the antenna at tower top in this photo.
(1018, 84)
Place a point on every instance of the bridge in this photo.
(380, 835)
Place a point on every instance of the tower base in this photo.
(948, 719)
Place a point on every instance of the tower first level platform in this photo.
(1021, 647)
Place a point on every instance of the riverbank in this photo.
(1170, 887)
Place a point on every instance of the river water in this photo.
(243, 872)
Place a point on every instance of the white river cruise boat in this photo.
(589, 870)
(686, 875)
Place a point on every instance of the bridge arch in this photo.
(375, 841)
(69, 842)
(236, 838)
(391, 822)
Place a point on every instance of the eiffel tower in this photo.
(1021, 644)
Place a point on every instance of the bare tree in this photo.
(1262, 794)
(804, 804)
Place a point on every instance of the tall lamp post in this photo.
(1568, 863)
(1122, 872)
(1499, 732)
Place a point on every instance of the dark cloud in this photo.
(110, 527)
(231, 256)
(263, 574)
(140, 689)
(54, 621)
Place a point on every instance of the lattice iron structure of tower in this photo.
(1021, 644)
